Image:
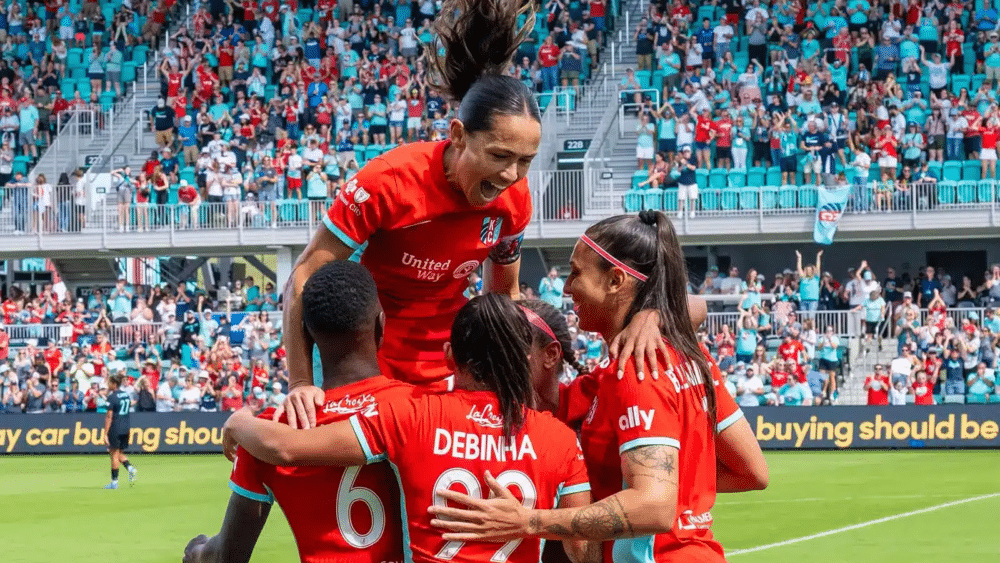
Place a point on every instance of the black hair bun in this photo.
(649, 217)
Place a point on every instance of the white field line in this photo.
(831, 499)
(861, 525)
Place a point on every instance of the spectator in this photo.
(162, 123)
(877, 385)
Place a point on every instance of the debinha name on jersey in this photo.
(483, 447)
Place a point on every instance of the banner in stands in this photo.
(829, 207)
(182, 432)
(910, 426)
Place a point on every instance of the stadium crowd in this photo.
(884, 96)
(183, 350)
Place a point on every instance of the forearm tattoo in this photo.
(603, 520)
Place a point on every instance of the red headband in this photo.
(534, 319)
(607, 256)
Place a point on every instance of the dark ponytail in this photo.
(649, 244)
(479, 39)
(491, 338)
(557, 322)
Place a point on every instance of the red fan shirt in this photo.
(421, 239)
(344, 514)
(878, 394)
(450, 441)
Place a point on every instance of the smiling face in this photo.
(596, 292)
(485, 163)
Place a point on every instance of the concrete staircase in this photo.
(852, 390)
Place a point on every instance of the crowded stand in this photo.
(183, 350)
(897, 100)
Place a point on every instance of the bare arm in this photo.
(645, 507)
(580, 551)
(502, 278)
(234, 543)
(740, 463)
(280, 444)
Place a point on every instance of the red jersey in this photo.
(548, 55)
(723, 133)
(174, 84)
(421, 239)
(343, 514)
(667, 412)
(703, 130)
(450, 441)
(4, 344)
(878, 396)
(792, 351)
(779, 379)
(10, 309)
(923, 393)
(53, 357)
(597, 8)
(225, 52)
(990, 137)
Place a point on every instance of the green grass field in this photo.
(52, 509)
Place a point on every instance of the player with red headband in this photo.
(424, 216)
(658, 452)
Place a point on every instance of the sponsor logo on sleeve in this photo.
(635, 417)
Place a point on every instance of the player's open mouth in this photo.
(489, 190)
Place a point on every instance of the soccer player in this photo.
(358, 518)
(434, 442)
(117, 426)
(424, 216)
(657, 452)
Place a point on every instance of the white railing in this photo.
(632, 108)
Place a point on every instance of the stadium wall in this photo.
(901, 427)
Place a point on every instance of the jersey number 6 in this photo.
(471, 484)
(347, 495)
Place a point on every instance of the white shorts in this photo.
(644, 153)
(814, 165)
(413, 123)
(988, 154)
(687, 191)
(887, 162)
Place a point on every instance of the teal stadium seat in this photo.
(652, 198)
(971, 170)
(670, 199)
(769, 197)
(709, 200)
(748, 197)
(738, 179)
(757, 176)
(935, 167)
(633, 201)
(946, 192)
(952, 171)
(959, 81)
(730, 199)
(966, 191)
(638, 176)
(372, 151)
(702, 178)
(787, 196)
(807, 196)
(773, 177)
(984, 191)
(718, 178)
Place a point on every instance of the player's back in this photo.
(120, 407)
(337, 514)
(448, 442)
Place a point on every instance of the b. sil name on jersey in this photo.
(685, 376)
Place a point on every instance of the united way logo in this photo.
(490, 233)
(830, 212)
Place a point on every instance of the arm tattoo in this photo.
(599, 521)
(535, 522)
(652, 457)
(559, 530)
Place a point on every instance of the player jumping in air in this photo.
(117, 426)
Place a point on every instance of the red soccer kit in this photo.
(627, 414)
(343, 514)
(420, 239)
(792, 351)
(923, 393)
(450, 441)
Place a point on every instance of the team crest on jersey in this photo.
(365, 405)
(359, 194)
(490, 233)
(485, 417)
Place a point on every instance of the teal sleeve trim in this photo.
(360, 435)
(641, 442)
(268, 498)
(730, 420)
(340, 234)
(573, 489)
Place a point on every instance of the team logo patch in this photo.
(466, 268)
(831, 212)
(358, 193)
(490, 233)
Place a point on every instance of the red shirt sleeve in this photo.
(249, 477)
(508, 249)
(646, 412)
(575, 399)
(727, 412)
(577, 480)
(362, 205)
(383, 432)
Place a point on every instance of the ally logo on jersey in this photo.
(635, 417)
